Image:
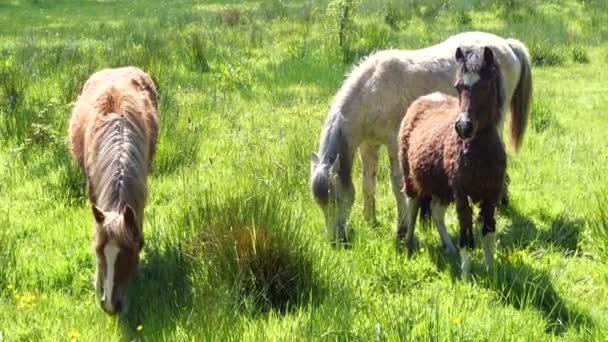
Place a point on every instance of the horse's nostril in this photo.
(464, 128)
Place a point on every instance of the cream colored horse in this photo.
(368, 109)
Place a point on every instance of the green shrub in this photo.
(542, 117)
(545, 53)
(253, 245)
(578, 54)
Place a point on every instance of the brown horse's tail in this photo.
(425, 211)
(522, 97)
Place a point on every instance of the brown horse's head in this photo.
(480, 91)
(117, 245)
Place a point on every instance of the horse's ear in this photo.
(314, 159)
(335, 166)
(459, 55)
(129, 216)
(99, 216)
(488, 55)
(132, 228)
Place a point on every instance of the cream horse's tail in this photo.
(520, 102)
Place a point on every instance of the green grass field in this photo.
(244, 89)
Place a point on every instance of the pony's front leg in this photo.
(488, 231)
(466, 244)
(369, 168)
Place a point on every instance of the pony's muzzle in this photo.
(111, 307)
(464, 127)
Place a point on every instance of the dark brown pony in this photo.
(450, 151)
(113, 132)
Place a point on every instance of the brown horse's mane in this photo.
(117, 159)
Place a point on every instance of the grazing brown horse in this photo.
(113, 132)
(451, 151)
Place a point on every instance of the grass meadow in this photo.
(235, 246)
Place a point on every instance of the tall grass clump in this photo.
(197, 48)
(599, 225)
(544, 53)
(7, 256)
(67, 182)
(253, 245)
(179, 136)
(578, 54)
(12, 94)
(516, 11)
(344, 12)
(542, 116)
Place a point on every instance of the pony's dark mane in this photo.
(333, 144)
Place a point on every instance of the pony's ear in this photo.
(129, 216)
(131, 224)
(99, 216)
(335, 166)
(459, 55)
(488, 55)
(314, 159)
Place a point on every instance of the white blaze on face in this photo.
(470, 78)
(110, 252)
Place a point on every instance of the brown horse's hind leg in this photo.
(466, 244)
(488, 231)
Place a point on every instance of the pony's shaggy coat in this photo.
(113, 133)
(439, 163)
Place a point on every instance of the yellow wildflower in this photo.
(456, 320)
(140, 327)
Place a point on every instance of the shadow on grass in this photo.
(520, 285)
(559, 232)
(160, 294)
(523, 286)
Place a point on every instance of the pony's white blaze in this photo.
(470, 78)
(110, 251)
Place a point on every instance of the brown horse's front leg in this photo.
(465, 219)
(488, 231)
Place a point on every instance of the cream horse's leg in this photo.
(369, 167)
(397, 183)
(438, 213)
